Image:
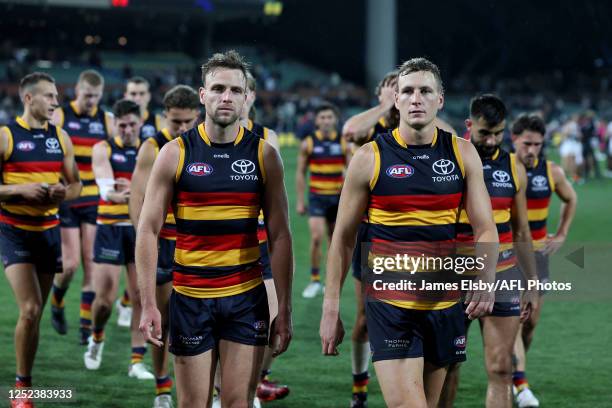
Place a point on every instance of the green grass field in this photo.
(569, 364)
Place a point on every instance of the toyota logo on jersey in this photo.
(200, 169)
(501, 176)
(400, 171)
(443, 167)
(243, 166)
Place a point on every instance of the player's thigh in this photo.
(194, 378)
(401, 382)
(23, 280)
(88, 234)
(498, 337)
(433, 381)
(240, 370)
(71, 247)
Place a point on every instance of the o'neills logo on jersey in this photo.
(400, 171)
(501, 179)
(200, 169)
(444, 169)
(243, 169)
(539, 183)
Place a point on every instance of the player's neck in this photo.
(33, 122)
(219, 134)
(129, 141)
(412, 136)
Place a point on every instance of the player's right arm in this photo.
(567, 194)
(160, 189)
(478, 207)
(358, 128)
(300, 176)
(353, 203)
(140, 178)
(31, 192)
(103, 172)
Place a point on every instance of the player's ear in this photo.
(468, 124)
(202, 92)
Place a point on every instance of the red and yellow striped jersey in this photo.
(502, 184)
(33, 156)
(414, 203)
(326, 163)
(84, 131)
(123, 160)
(217, 198)
(540, 186)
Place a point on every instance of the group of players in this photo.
(196, 211)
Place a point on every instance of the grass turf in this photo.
(569, 364)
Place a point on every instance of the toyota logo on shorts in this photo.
(501, 176)
(243, 166)
(539, 181)
(443, 167)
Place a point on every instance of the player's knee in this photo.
(69, 266)
(500, 366)
(30, 312)
(103, 303)
(360, 330)
(316, 239)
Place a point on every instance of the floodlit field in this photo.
(569, 364)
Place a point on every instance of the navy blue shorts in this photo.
(114, 244)
(357, 253)
(197, 325)
(439, 336)
(165, 260)
(41, 248)
(265, 260)
(507, 302)
(73, 217)
(322, 205)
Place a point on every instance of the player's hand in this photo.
(57, 193)
(553, 243)
(331, 331)
(530, 301)
(479, 303)
(281, 333)
(150, 325)
(33, 192)
(122, 183)
(119, 197)
(387, 94)
(300, 208)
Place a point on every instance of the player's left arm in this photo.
(272, 138)
(276, 214)
(70, 173)
(523, 244)
(567, 194)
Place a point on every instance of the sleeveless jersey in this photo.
(123, 160)
(168, 230)
(150, 126)
(502, 184)
(217, 198)
(84, 131)
(416, 192)
(326, 163)
(262, 132)
(32, 156)
(540, 186)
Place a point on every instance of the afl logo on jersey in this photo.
(26, 146)
(200, 169)
(119, 158)
(74, 125)
(400, 171)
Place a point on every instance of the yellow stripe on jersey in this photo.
(86, 175)
(551, 181)
(89, 190)
(49, 177)
(500, 216)
(83, 150)
(517, 182)
(538, 214)
(374, 178)
(458, 155)
(181, 162)
(421, 304)
(231, 257)
(9, 147)
(204, 293)
(23, 209)
(260, 158)
(217, 212)
(326, 185)
(113, 209)
(326, 168)
(412, 218)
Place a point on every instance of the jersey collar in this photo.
(204, 135)
(76, 110)
(400, 141)
(25, 125)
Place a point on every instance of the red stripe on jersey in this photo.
(326, 160)
(501, 203)
(123, 174)
(32, 167)
(539, 233)
(18, 221)
(199, 281)
(505, 237)
(84, 140)
(317, 177)
(428, 202)
(537, 203)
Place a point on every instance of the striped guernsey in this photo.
(540, 186)
(217, 199)
(168, 230)
(326, 163)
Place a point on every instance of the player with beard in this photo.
(543, 178)
(506, 182)
(181, 111)
(421, 208)
(217, 177)
(34, 156)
